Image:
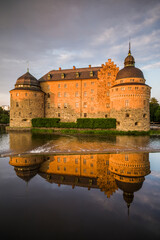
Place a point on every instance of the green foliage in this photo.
(157, 115)
(45, 122)
(93, 123)
(67, 125)
(4, 116)
(154, 106)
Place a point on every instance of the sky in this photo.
(47, 34)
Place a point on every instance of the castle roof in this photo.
(71, 74)
(27, 79)
(129, 70)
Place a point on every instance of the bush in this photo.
(67, 125)
(91, 123)
(45, 122)
(103, 123)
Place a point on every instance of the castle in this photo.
(93, 92)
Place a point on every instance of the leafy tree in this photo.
(157, 115)
(153, 109)
(4, 116)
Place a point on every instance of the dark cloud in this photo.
(65, 32)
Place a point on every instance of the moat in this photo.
(79, 187)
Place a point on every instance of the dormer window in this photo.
(91, 73)
(62, 75)
(77, 74)
(49, 76)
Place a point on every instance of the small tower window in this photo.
(59, 114)
(48, 95)
(127, 115)
(106, 116)
(17, 104)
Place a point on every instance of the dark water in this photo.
(79, 195)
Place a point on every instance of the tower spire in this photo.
(129, 52)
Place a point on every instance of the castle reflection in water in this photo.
(106, 172)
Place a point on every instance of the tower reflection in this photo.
(107, 172)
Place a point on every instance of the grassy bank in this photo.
(95, 132)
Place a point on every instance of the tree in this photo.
(4, 116)
(153, 108)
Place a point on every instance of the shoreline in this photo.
(83, 131)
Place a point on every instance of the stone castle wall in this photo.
(25, 105)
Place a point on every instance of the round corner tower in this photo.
(26, 101)
(130, 98)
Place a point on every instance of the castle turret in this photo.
(130, 98)
(26, 101)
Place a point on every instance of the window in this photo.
(25, 94)
(84, 161)
(126, 157)
(65, 94)
(85, 94)
(85, 84)
(76, 85)
(92, 90)
(17, 104)
(127, 115)
(58, 168)
(107, 105)
(48, 105)
(107, 94)
(64, 160)
(85, 104)
(76, 161)
(48, 95)
(76, 94)
(131, 80)
(144, 115)
(65, 105)
(92, 83)
(136, 123)
(136, 88)
(59, 85)
(77, 105)
(76, 170)
(85, 114)
(77, 74)
(91, 164)
(109, 74)
(92, 99)
(122, 88)
(59, 105)
(48, 87)
(84, 170)
(62, 75)
(17, 94)
(126, 103)
(106, 116)
(65, 85)
(58, 159)
(129, 88)
(121, 81)
(59, 115)
(59, 94)
(35, 94)
(108, 84)
(91, 74)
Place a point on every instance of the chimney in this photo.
(74, 67)
(59, 68)
(89, 66)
